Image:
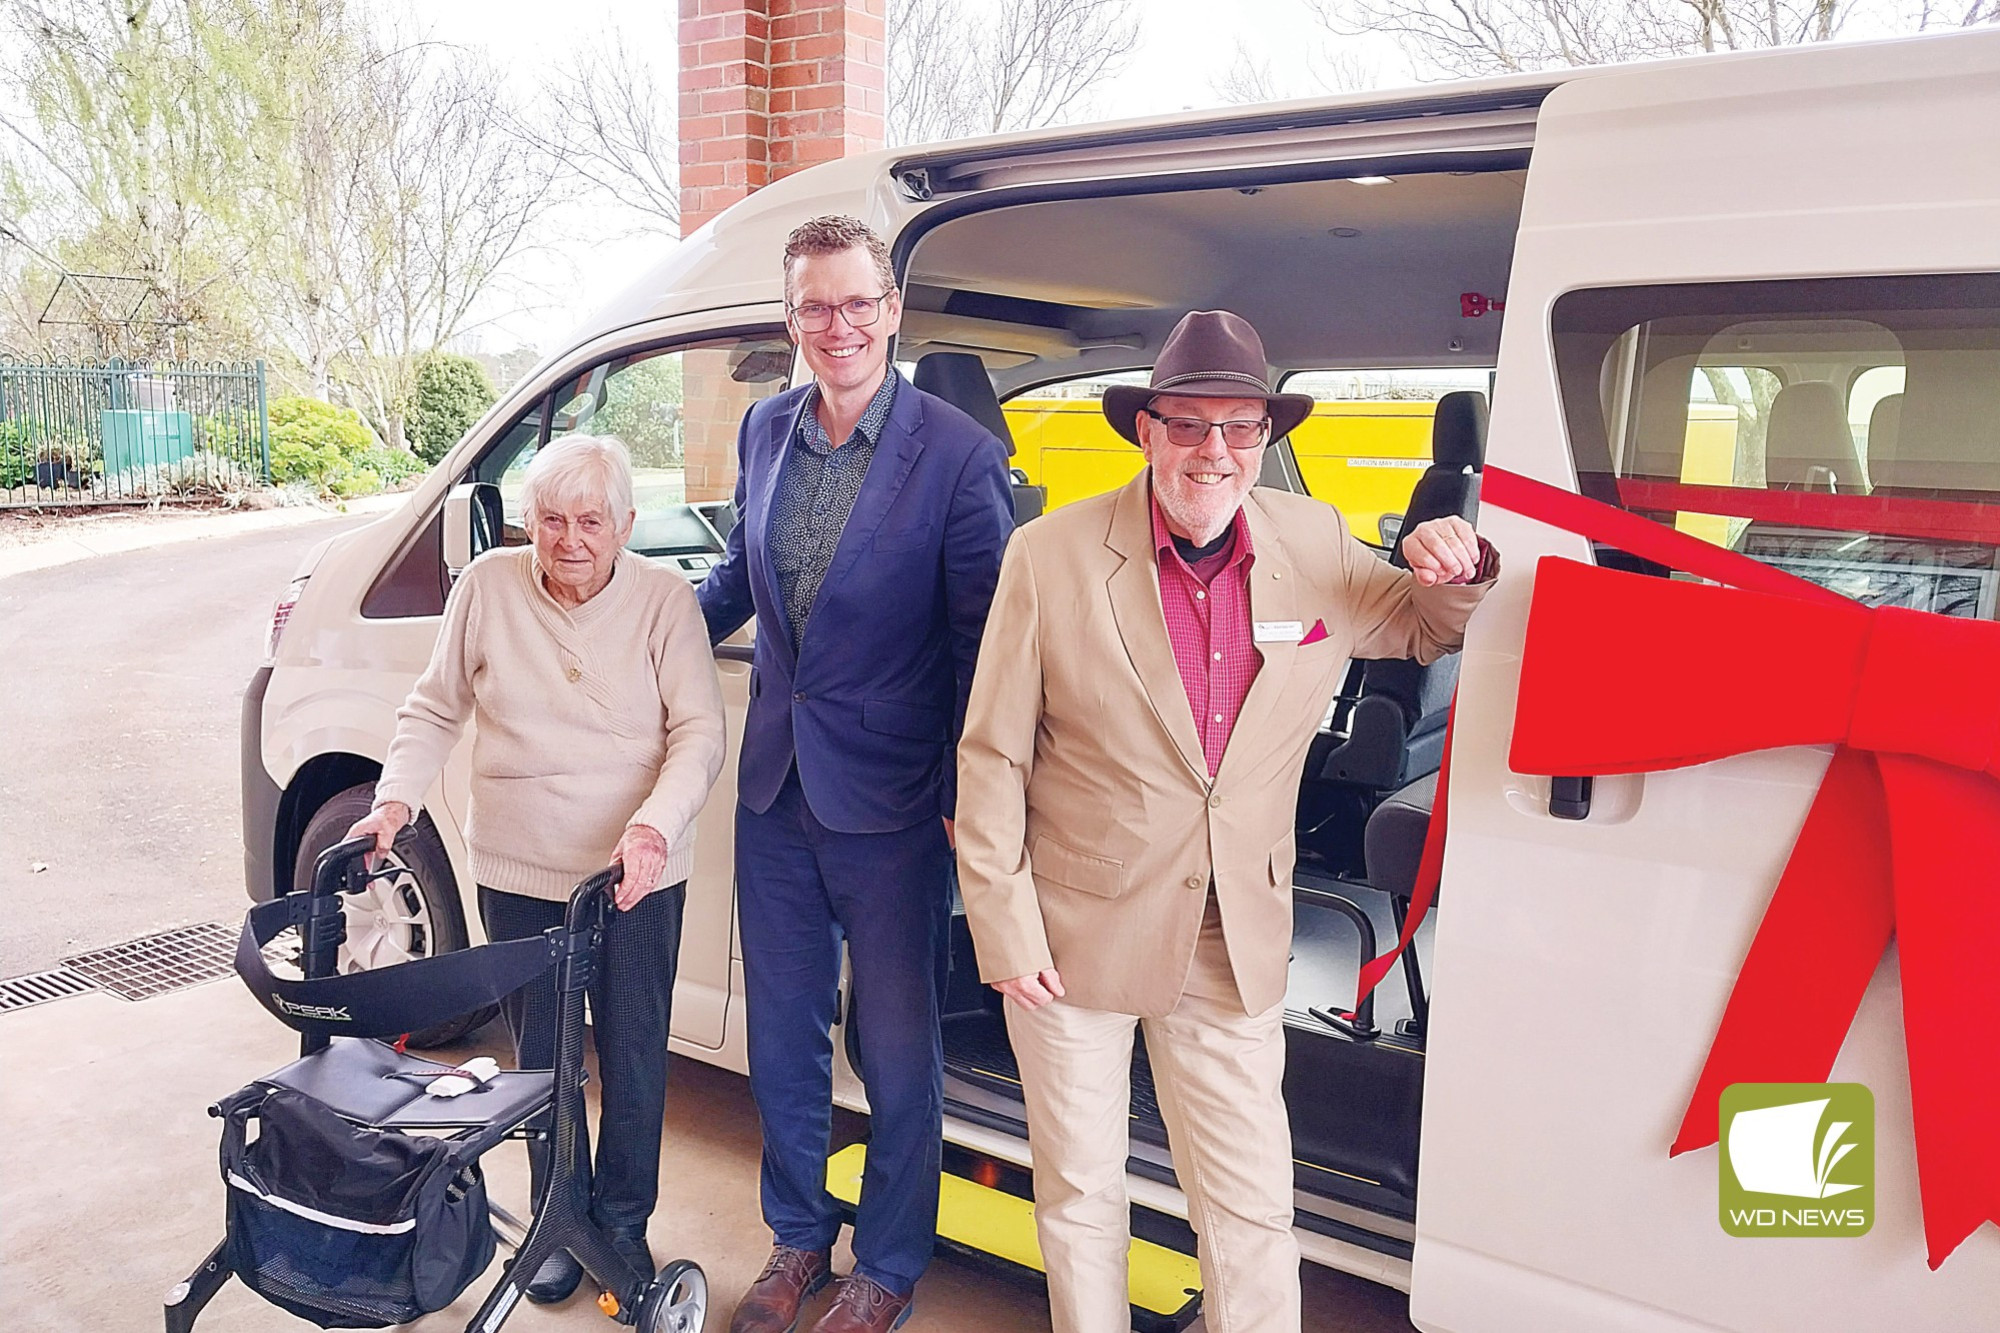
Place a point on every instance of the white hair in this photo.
(578, 471)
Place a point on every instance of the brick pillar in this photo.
(767, 88)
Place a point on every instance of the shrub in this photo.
(230, 433)
(393, 466)
(200, 474)
(357, 482)
(17, 455)
(451, 393)
(317, 443)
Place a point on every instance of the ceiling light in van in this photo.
(1344, 233)
(1372, 180)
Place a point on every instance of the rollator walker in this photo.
(359, 1203)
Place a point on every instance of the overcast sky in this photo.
(1185, 46)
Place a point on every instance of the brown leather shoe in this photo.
(862, 1306)
(772, 1303)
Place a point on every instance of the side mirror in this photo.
(471, 524)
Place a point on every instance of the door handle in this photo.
(1569, 798)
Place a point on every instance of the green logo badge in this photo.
(1798, 1159)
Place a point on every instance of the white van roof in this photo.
(733, 260)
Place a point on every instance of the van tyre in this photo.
(416, 915)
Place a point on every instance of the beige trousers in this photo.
(1219, 1074)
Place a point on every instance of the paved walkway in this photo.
(109, 1192)
(43, 539)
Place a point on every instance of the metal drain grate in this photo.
(155, 964)
(40, 987)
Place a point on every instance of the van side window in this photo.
(657, 400)
(1845, 430)
(1063, 442)
(1369, 438)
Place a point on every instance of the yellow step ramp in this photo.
(1165, 1284)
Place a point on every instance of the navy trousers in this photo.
(801, 889)
(631, 1010)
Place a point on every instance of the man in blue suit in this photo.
(871, 520)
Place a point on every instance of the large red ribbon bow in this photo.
(1624, 673)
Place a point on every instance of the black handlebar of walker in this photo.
(343, 868)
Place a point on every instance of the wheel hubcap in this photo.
(388, 922)
(683, 1307)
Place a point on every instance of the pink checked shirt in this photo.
(1208, 622)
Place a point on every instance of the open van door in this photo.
(1726, 268)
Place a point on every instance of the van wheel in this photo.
(415, 915)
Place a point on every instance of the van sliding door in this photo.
(1725, 269)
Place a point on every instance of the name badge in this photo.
(1278, 631)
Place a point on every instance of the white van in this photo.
(1763, 272)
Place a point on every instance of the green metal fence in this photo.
(121, 433)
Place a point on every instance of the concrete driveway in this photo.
(122, 675)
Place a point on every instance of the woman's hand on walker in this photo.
(643, 853)
(382, 824)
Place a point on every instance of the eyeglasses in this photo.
(1192, 432)
(859, 312)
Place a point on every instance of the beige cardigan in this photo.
(589, 720)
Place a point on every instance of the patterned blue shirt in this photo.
(816, 493)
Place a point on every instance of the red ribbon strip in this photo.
(1902, 840)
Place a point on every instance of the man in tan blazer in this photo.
(1155, 664)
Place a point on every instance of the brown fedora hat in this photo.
(1210, 354)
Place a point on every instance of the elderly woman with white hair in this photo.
(600, 732)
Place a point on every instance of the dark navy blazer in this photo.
(872, 704)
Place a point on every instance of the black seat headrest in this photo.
(1458, 431)
(960, 379)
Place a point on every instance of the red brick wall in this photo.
(767, 88)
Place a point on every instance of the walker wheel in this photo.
(677, 1300)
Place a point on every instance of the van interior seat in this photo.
(1885, 429)
(1395, 710)
(1395, 838)
(1807, 443)
(1948, 426)
(960, 379)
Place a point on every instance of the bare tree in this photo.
(121, 133)
(448, 195)
(603, 116)
(1248, 79)
(959, 67)
(1956, 13)
(1461, 38)
(1331, 69)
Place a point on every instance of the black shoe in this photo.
(630, 1242)
(558, 1279)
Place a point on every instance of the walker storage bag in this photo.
(344, 1226)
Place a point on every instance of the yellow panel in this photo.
(1708, 458)
(1363, 458)
(996, 1223)
(1077, 474)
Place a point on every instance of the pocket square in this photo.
(1315, 634)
